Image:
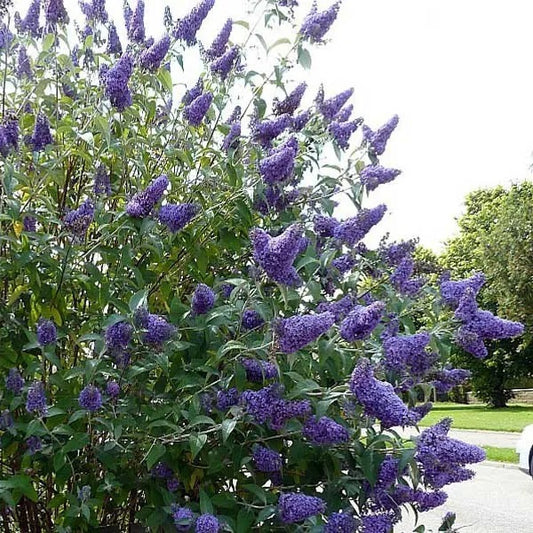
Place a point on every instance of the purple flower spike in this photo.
(341, 523)
(266, 131)
(55, 13)
(112, 389)
(227, 398)
(36, 399)
(34, 444)
(90, 398)
(30, 23)
(113, 41)
(408, 351)
(203, 299)
(295, 507)
(41, 133)
(299, 330)
(46, 332)
(330, 107)
(30, 224)
(187, 27)
(300, 120)
(354, 229)
(218, 46)
(251, 319)
(207, 523)
(142, 203)
(231, 141)
(135, 25)
(361, 321)
(195, 112)
(151, 58)
(452, 291)
(14, 381)
(278, 166)
(23, 64)
(316, 24)
(324, 431)
(446, 379)
(115, 82)
(223, 65)
(177, 216)
(94, 10)
(342, 131)
(374, 175)
(77, 221)
(377, 140)
(118, 336)
(344, 263)
(267, 460)
(158, 330)
(292, 102)
(259, 371)
(183, 518)
(277, 254)
(340, 308)
(102, 182)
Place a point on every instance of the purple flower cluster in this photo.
(301, 120)
(279, 165)
(227, 398)
(324, 431)
(290, 104)
(442, 459)
(223, 65)
(265, 131)
(135, 24)
(379, 399)
(331, 107)
(158, 330)
(29, 223)
(55, 13)
(325, 226)
(266, 405)
(478, 326)
(14, 381)
(77, 221)
(352, 230)
(377, 523)
(218, 46)
(231, 140)
(102, 181)
(342, 131)
(207, 523)
(183, 518)
(90, 398)
(161, 471)
(118, 336)
(299, 330)
(187, 27)
(446, 379)
(143, 202)
(23, 64)
(34, 444)
(41, 136)
(30, 23)
(36, 399)
(203, 299)
(316, 24)
(177, 216)
(195, 112)
(452, 291)
(94, 10)
(251, 319)
(344, 263)
(46, 332)
(277, 254)
(361, 321)
(374, 175)
(401, 278)
(340, 308)
(344, 114)
(267, 460)
(422, 500)
(341, 523)
(295, 507)
(115, 82)
(113, 41)
(257, 371)
(152, 57)
(377, 140)
(10, 130)
(112, 389)
(407, 351)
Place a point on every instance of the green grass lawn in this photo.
(502, 455)
(512, 418)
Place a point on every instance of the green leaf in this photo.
(196, 443)
(205, 503)
(139, 299)
(156, 452)
(228, 426)
(304, 58)
(77, 441)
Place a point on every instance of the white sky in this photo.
(457, 72)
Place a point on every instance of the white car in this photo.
(524, 448)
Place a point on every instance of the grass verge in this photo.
(501, 455)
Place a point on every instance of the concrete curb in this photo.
(499, 464)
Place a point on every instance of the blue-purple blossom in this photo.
(113, 41)
(29, 224)
(341, 523)
(11, 130)
(446, 379)
(231, 140)
(161, 470)
(361, 321)
(374, 175)
(177, 216)
(90, 398)
(452, 291)
(279, 165)
(194, 92)
(135, 25)
(339, 308)
(14, 381)
(223, 65)
(301, 120)
(77, 221)
(55, 13)
(143, 202)
(298, 331)
(267, 460)
(422, 500)
(251, 319)
(394, 253)
(352, 230)
(344, 263)
(118, 336)
(344, 114)
(30, 23)
(115, 82)
(295, 507)
(342, 131)
(46, 332)
(325, 226)
(218, 46)
(6, 420)
(316, 24)
(122, 359)
(330, 107)
(183, 518)
(324, 431)
(379, 399)
(34, 444)
(203, 299)
(36, 399)
(407, 352)
(41, 136)
(258, 371)
(187, 27)
(23, 64)
(151, 58)
(442, 459)
(377, 140)
(291, 103)
(94, 10)
(173, 484)
(158, 330)
(112, 389)
(195, 112)
(102, 181)
(265, 131)
(401, 278)
(277, 254)
(207, 523)
(227, 398)
(4, 143)
(377, 523)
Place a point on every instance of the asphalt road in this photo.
(498, 500)
(499, 439)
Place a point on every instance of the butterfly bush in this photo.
(195, 335)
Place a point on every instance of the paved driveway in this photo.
(499, 439)
(497, 500)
